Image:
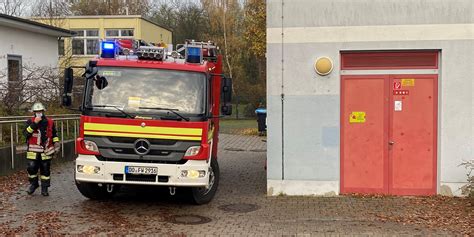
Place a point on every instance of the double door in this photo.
(389, 134)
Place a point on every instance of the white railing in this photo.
(64, 124)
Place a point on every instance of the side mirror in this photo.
(226, 110)
(68, 80)
(101, 82)
(226, 90)
(67, 100)
(68, 83)
(91, 70)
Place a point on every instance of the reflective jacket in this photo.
(41, 136)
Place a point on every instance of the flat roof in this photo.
(113, 17)
(33, 26)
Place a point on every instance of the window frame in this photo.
(63, 48)
(119, 36)
(13, 84)
(84, 38)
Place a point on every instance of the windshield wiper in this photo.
(115, 107)
(170, 110)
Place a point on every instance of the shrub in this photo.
(249, 111)
(468, 189)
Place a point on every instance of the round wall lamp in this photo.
(323, 66)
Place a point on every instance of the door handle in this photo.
(391, 142)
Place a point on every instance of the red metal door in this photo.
(413, 134)
(388, 134)
(364, 140)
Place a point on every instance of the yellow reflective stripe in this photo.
(142, 136)
(31, 155)
(102, 127)
(29, 129)
(56, 139)
(210, 135)
(45, 177)
(45, 157)
(32, 176)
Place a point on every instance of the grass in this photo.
(240, 127)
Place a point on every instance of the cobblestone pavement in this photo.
(240, 208)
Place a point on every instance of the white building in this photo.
(26, 43)
(391, 110)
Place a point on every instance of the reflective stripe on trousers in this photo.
(32, 156)
(42, 177)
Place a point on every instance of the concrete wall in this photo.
(35, 49)
(303, 128)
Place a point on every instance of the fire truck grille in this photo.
(131, 151)
(131, 140)
(123, 149)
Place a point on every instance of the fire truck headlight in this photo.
(192, 151)
(88, 169)
(91, 146)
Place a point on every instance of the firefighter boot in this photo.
(45, 182)
(44, 191)
(33, 185)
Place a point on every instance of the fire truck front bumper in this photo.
(193, 173)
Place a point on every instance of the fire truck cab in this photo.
(150, 116)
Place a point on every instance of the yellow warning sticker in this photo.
(408, 82)
(134, 101)
(357, 117)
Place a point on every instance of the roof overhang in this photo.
(33, 26)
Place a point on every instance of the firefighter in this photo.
(42, 142)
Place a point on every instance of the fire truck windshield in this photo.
(137, 90)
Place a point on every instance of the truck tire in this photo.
(201, 195)
(94, 191)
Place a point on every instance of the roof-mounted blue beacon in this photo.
(108, 49)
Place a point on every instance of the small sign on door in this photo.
(397, 85)
(357, 117)
(398, 105)
(408, 82)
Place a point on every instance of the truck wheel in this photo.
(95, 192)
(203, 195)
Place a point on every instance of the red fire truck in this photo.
(150, 116)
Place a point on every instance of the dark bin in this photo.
(261, 120)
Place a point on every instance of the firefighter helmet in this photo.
(37, 107)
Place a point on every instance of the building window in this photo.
(61, 47)
(85, 42)
(119, 33)
(14, 78)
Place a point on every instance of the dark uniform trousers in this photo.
(42, 163)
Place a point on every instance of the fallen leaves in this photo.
(445, 213)
(10, 184)
(48, 222)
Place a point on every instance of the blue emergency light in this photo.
(108, 50)
(107, 45)
(193, 54)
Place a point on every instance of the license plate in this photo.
(140, 170)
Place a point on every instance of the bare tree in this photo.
(110, 7)
(52, 12)
(13, 7)
(37, 83)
